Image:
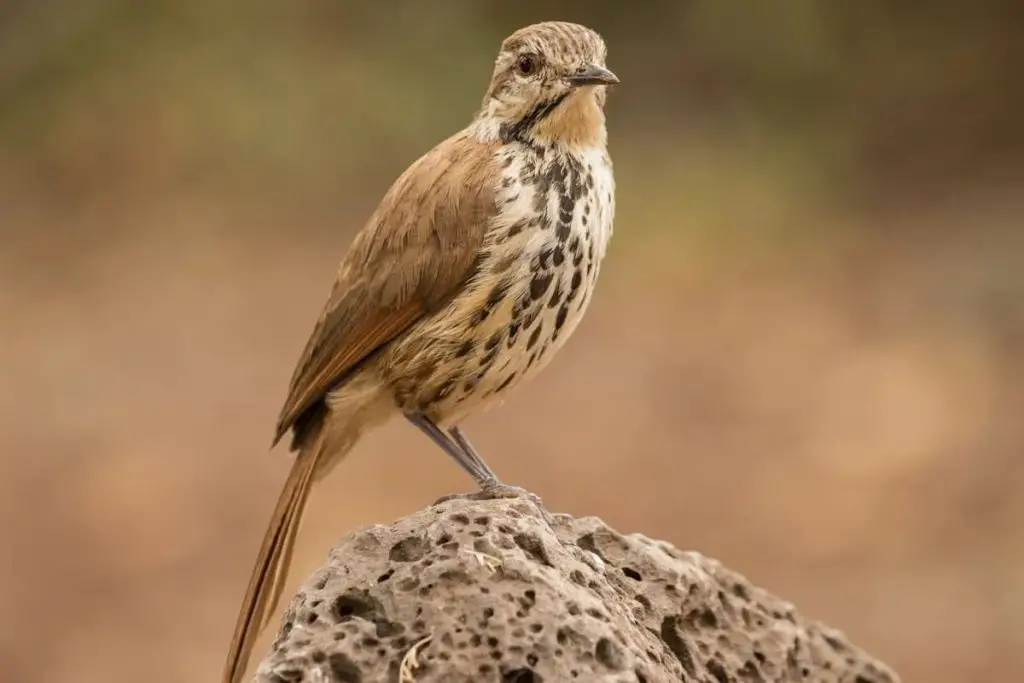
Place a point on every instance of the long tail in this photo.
(271, 570)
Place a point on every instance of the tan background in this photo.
(804, 358)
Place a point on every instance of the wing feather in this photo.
(418, 248)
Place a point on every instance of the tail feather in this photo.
(271, 570)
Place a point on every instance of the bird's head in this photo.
(549, 86)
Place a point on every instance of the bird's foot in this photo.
(500, 490)
(492, 491)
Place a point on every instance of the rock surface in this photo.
(469, 591)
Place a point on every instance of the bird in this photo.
(476, 266)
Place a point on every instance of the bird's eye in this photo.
(526, 65)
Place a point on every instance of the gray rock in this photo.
(469, 591)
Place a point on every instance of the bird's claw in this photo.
(500, 490)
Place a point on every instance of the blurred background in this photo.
(805, 358)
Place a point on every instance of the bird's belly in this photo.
(540, 310)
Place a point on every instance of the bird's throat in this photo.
(573, 118)
(522, 129)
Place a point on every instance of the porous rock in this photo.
(469, 591)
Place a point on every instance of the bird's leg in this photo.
(463, 443)
(491, 487)
(468, 460)
(495, 488)
(458, 447)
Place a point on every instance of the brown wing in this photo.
(418, 247)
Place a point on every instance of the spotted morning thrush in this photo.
(475, 268)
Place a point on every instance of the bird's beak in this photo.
(591, 74)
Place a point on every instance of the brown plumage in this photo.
(417, 248)
(476, 266)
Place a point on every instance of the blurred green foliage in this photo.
(837, 101)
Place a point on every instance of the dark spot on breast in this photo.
(495, 297)
(560, 317)
(487, 360)
(556, 173)
(590, 250)
(507, 181)
(553, 178)
(479, 260)
(564, 230)
(533, 359)
(540, 194)
(530, 316)
(513, 199)
(443, 391)
(464, 348)
(425, 372)
(539, 284)
(557, 256)
(577, 280)
(577, 252)
(556, 295)
(586, 209)
(516, 227)
(522, 303)
(532, 341)
(504, 384)
(584, 219)
(576, 187)
(498, 292)
(566, 206)
(470, 384)
(544, 258)
(576, 169)
(513, 332)
(590, 178)
(494, 340)
(507, 161)
(502, 264)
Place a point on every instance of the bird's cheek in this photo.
(518, 108)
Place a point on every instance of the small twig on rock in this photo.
(490, 561)
(411, 662)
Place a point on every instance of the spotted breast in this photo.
(535, 275)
